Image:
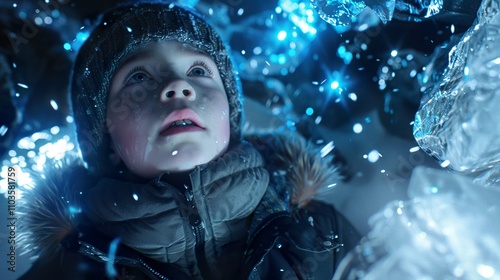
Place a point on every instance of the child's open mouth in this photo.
(181, 121)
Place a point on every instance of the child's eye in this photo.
(136, 76)
(198, 71)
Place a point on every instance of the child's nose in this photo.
(178, 89)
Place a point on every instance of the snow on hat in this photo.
(119, 33)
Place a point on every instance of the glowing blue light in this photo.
(82, 36)
(334, 85)
(344, 54)
(394, 53)
(74, 210)
(110, 269)
(434, 189)
(309, 111)
(67, 46)
(281, 59)
(282, 35)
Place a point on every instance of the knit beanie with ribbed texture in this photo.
(120, 32)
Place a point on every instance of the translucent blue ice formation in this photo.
(447, 230)
(458, 120)
(344, 12)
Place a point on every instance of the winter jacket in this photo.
(252, 214)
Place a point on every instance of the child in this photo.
(173, 190)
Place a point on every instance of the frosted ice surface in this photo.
(447, 230)
(459, 119)
(338, 13)
(343, 12)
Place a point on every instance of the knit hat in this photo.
(120, 32)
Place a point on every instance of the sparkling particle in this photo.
(69, 119)
(175, 152)
(434, 189)
(327, 149)
(445, 163)
(135, 197)
(241, 11)
(309, 111)
(352, 96)
(318, 119)
(414, 149)
(129, 29)
(22, 85)
(67, 46)
(54, 104)
(3, 130)
(485, 271)
(374, 156)
(282, 35)
(382, 171)
(54, 130)
(38, 21)
(357, 128)
(452, 28)
(394, 53)
(334, 85)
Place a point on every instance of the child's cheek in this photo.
(224, 130)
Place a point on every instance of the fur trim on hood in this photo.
(308, 174)
(50, 208)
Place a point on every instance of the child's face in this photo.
(167, 110)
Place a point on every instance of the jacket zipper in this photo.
(198, 231)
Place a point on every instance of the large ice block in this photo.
(458, 122)
(447, 230)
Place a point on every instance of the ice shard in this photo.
(458, 122)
